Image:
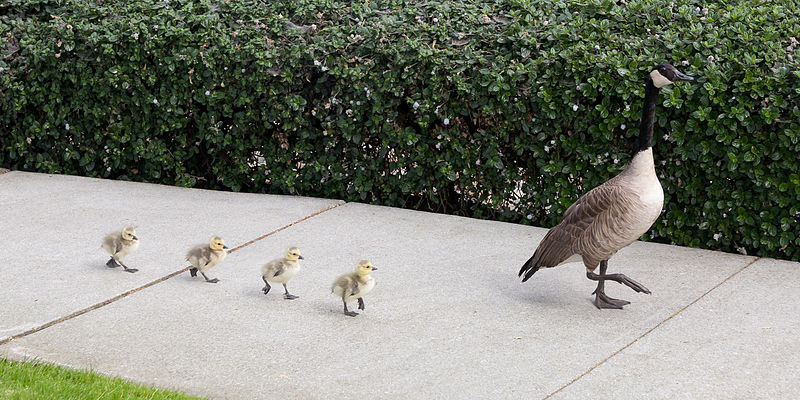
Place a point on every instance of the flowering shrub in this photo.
(493, 109)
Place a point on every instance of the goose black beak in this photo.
(679, 76)
(225, 247)
(300, 258)
(374, 268)
(135, 238)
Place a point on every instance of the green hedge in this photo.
(497, 109)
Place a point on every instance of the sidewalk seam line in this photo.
(647, 332)
(152, 283)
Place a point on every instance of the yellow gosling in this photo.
(203, 257)
(355, 285)
(119, 245)
(282, 270)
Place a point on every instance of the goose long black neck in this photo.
(645, 140)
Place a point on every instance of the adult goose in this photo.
(614, 214)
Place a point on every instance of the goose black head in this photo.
(666, 74)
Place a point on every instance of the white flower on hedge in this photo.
(477, 162)
(597, 47)
(446, 121)
(529, 216)
(324, 68)
(616, 160)
(66, 126)
(547, 148)
(622, 127)
(552, 142)
(108, 169)
(717, 236)
(358, 103)
(357, 21)
(710, 58)
(435, 20)
(208, 93)
(317, 63)
(135, 36)
(155, 101)
(416, 105)
(574, 107)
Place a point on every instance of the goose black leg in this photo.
(348, 313)
(131, 270)
(112, 263)
(267, 287)
(601, 299)
(288, 296)
(215, 280)
(193, 272)
(360, 303)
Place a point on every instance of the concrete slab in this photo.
(51, 227)
(447, 319)
(738, 342)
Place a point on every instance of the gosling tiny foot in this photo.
(351, 313)
(601, 301)
(131, 270)
(215, 280)
(288, 296)
(265, 290)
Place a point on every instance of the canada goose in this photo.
(281, 271)
(119, 245)
(614, 214)
(355, 285)
(203, 257)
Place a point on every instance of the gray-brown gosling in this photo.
(119, 245)
(355, 285)
(614, 214)
(205, 256)
(282, 270)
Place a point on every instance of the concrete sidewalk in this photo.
(447, 319)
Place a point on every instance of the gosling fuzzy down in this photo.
(281, 271)
(355, 285)
(119, 245)
(205, 256)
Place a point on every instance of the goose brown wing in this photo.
(560, 242)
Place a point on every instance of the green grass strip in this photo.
(41, 381)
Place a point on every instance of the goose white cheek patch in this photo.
(659, 80)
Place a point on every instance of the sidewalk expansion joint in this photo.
(152, 283)
(647, 332)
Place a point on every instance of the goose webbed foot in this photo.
(601, 301)
(266, 287)
(215, 280)
(638, 287)
(131, 270)
(349, 313)
(287, 295)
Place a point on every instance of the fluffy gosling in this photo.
(119, 245)
(282, 270)
(355, 285)
(203, 257)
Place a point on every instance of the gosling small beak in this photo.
(680, 76)
(224, 247)
(300, 258)
(374, 268)
(135, 238)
